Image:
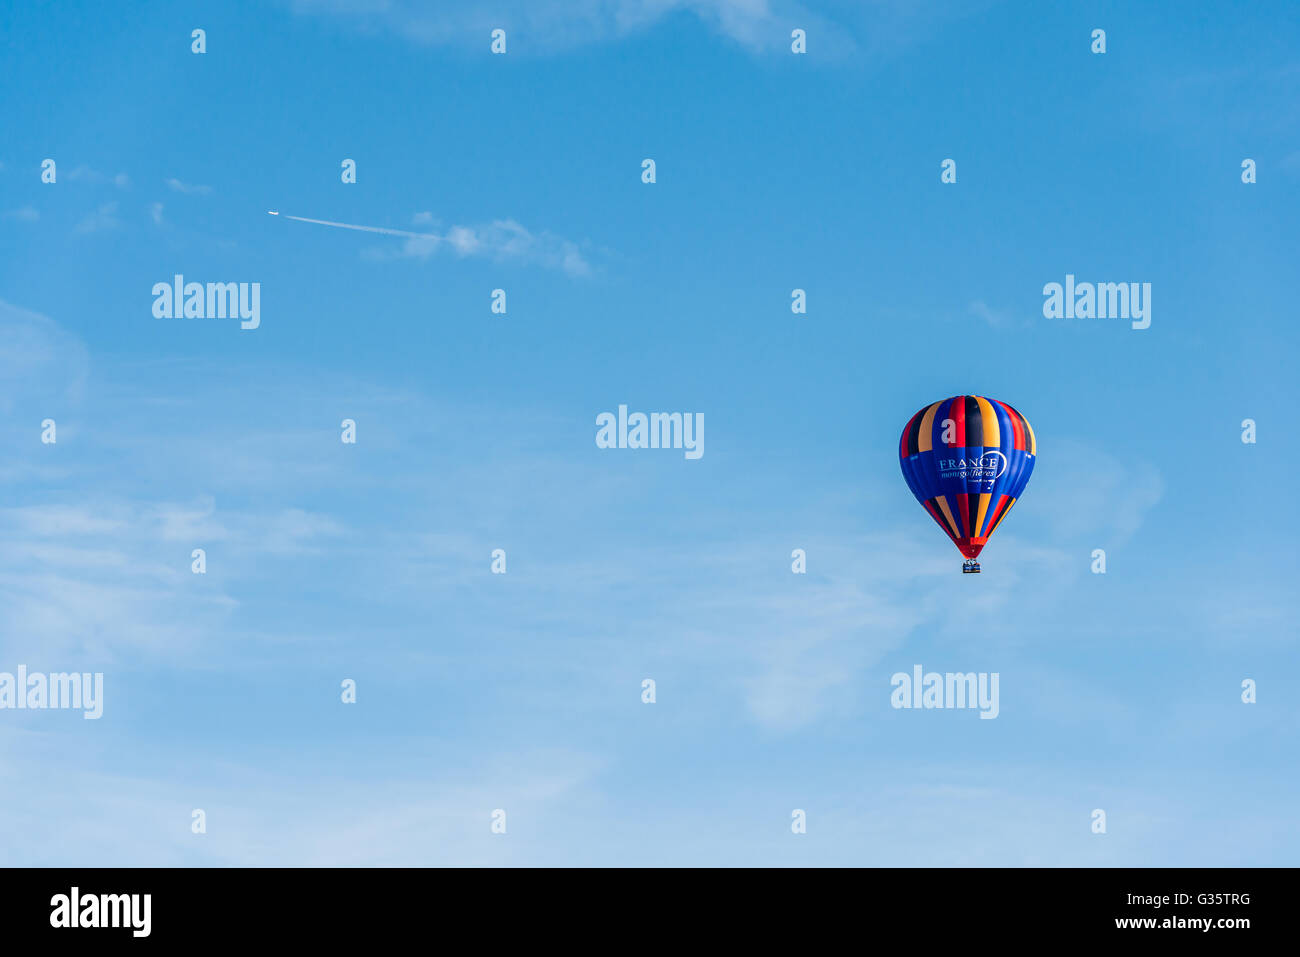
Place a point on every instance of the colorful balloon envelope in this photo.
(967, 460)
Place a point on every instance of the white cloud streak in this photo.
(502, 239)
(86, 174)
(102, 219)
(189, 189)
(553, 25)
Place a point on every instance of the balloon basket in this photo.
(970, 567)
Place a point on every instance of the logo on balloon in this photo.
(993, 460)
(987, 467)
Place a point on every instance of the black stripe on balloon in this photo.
(997, 513)
(934, 504)
(974, 424)
(1002, 514)
(914, 432)
(903, 450)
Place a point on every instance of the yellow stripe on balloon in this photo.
(926, 434)
(984, 508)
(989, 421)
(943, 505)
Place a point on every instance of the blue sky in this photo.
(476, 431)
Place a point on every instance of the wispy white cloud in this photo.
(86, 174)
(503, 239)
(60, 520)
(996, 318)
(188, 188)
(24, 214)
(104, 579)
(1108, 499)
(500, 240)
(38, 358)
(103, 218)
(552, 25)
(263, 814)
(156, 213)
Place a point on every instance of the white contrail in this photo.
(365, 229)
(501, 239)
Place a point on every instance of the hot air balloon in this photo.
(967, 460)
